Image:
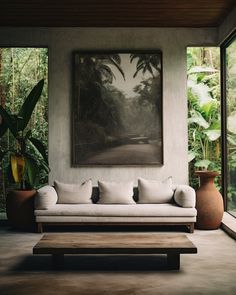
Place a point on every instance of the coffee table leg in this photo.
(173, 260)
(58, 261)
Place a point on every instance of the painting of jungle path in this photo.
(117, 109)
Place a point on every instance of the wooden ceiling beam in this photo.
(114, 13)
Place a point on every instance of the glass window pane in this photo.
(20, 70)
(204, 124)
(231, 125)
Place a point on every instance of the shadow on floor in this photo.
(116, 228)
(101, 228)
(95, 263)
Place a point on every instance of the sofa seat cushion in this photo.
(135, 210)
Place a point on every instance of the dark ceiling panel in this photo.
(114, 13)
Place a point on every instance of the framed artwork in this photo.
(117, 108)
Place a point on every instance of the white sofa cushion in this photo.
(185, 196)
(74, 193)
(154, 191)
(115, 192)
(46, 196)
(124, 210)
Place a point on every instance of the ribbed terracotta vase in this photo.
(20, 209)
(209, 202)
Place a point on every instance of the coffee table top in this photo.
(114, 243)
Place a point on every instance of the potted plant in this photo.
(204, 134)
(24, 166)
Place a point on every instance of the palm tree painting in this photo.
(117, 108)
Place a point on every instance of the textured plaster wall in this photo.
(61, 43)
(228, 26)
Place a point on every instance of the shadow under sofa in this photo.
(180, 211)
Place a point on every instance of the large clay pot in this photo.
(20, 209)
(209, 202)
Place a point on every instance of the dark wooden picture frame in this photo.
(117, 108)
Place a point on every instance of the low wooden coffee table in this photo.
(115, 243)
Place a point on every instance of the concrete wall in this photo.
(228, 26)
(61, 43)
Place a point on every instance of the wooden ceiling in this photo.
(114, 13)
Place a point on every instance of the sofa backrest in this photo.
(95, 194)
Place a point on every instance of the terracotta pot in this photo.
(20, 209)
(209, 202)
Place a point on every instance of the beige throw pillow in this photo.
(185, 196)
(74, 193)
(45, 198)
(154, 191)
(115, 192)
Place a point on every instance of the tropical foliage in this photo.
(231, 125)
(20, 70)
(96, 76)
(146, 63)
(25, 166)
(203, 110)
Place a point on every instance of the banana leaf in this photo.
(45, 167)
(31, 170)
(18, 167)
(10, 121)
(28, 134)
(40, 147)
(29, 105)
(3, 128)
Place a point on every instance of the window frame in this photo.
(224, 147)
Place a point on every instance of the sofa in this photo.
(152, 202)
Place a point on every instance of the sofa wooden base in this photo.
(190, 225)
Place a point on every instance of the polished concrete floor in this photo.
(211, 271)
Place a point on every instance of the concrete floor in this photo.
(211, 271)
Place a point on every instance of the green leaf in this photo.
(231, 122)
(201, 90)
(202, 163)
(29, 105)
(31, 170)
(202, 69)
(46, 167)
(213, 135)
(198, 119)
(231, 139)
(215, 125)
(9, 120)
(191, 155)
(3, 128)
(28, 134)
(209, 107)
(40, 147)
(2, 154)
